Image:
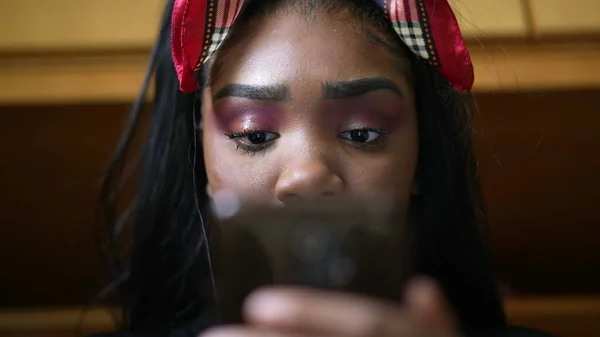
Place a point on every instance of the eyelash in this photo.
(375, 144)
(251, 148)
(255, 148)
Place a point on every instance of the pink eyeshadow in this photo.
(236, 116)
(381, 110)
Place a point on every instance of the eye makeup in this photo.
(236, 115)
(380, 110)
(364, 121)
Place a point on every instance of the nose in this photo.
(307, 181)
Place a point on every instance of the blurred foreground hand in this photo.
(295, 312)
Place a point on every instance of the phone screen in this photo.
(342, 246)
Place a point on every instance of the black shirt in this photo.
(195, 328)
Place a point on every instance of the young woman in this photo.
(284, 101)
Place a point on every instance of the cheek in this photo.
(247, 175)
(390, 177)
(390, 173)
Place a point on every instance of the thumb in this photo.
(426, 301)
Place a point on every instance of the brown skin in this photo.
(310, 159)
(312, 152)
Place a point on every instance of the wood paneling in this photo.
(102, 24)
(537, 155)
(562, 316)
(32, 32)
(559, 17)
(75, 24)
(539, 162)
(70, 79)
(112, 24)
(535, 68)
(53, 160)
(110, 78)
(57, 322)
(490, 19)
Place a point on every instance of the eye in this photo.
(253, 141)
(364, 135)
(257, 137)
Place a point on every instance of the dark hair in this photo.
(167, 279)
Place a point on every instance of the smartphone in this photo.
(342, 246)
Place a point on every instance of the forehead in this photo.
(286, 48)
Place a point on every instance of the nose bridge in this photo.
(308, 174)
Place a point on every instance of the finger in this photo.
(324, 313)
(241, 331)
(428, 304)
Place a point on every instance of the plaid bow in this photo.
(428, 27)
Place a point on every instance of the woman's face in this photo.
(310, 109)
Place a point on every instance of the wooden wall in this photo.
(539, 162)
(52, 163)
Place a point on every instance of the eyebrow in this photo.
(358, 87)
(276, 92)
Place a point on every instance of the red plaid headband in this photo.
(428, 27)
